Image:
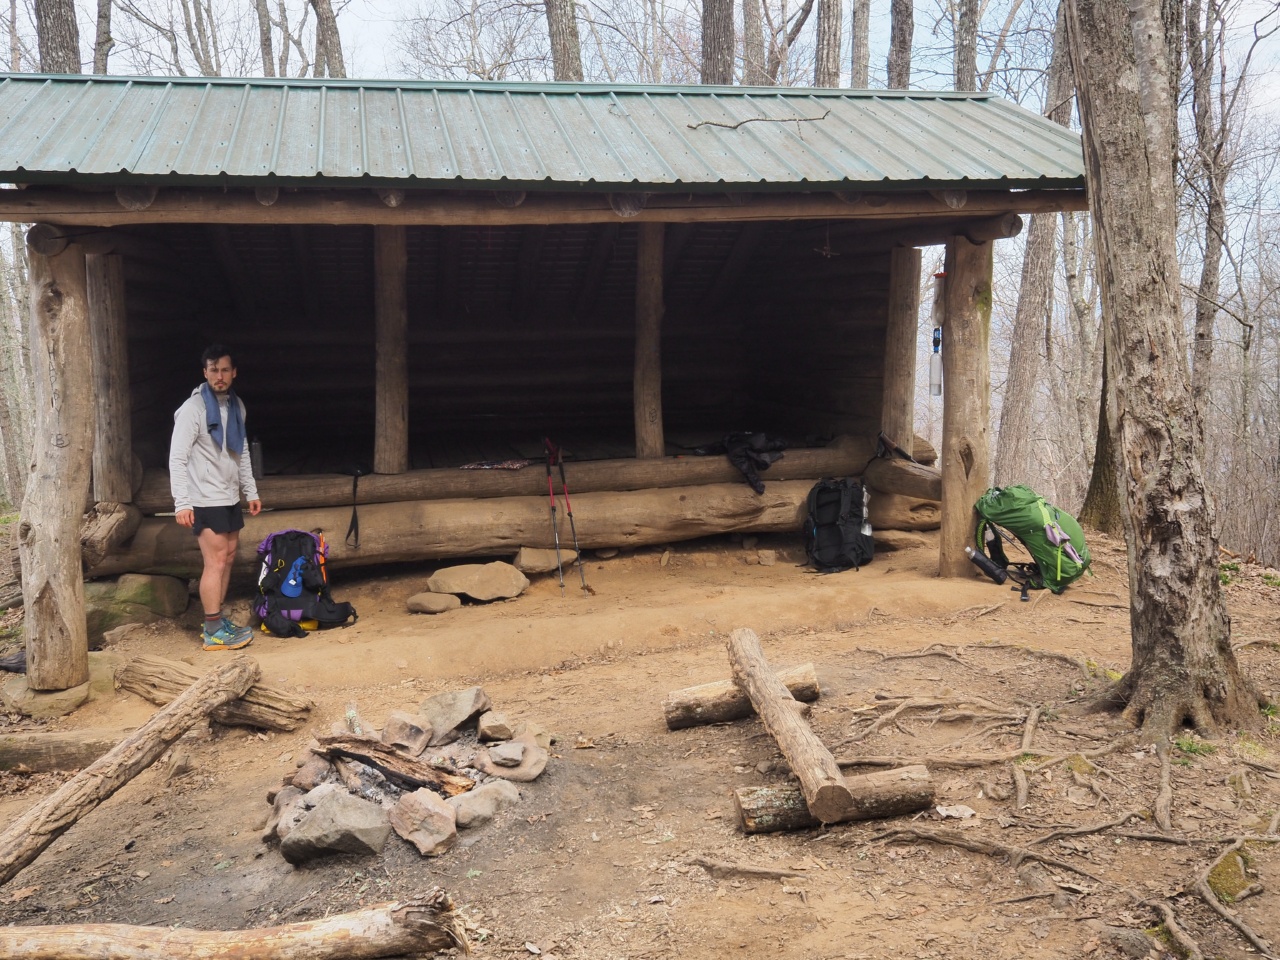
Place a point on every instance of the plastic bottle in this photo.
(985, 564)
(936, 314)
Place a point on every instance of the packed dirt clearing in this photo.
(1052, 833)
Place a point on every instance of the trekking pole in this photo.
(568, 509)
(555, 530)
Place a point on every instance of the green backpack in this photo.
(1052, 537)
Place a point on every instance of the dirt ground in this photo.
(601, 859)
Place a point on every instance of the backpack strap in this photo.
(353, 528)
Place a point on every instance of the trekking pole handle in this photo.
(986, 565)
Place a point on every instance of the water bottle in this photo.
(986, 565)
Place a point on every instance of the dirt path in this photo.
(600, 858)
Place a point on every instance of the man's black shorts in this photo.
(218, 519)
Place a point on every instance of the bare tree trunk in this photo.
(966, 62)
(782, 39)
(902, 27)
(264, 38)
(717, 42)
(753, 72)
(58, 36)
(860, 32)
(826, 62)
(1102, 509)
(327, 39)
(102, 39)
(15, 44)
(1014, 453)
(566, 50)
(1183, 668)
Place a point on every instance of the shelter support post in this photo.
(49, 526)
(113, 438)
(391, 431)
(898, 400)
(965, 457)
(647, 396)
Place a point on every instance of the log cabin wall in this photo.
(514, 332)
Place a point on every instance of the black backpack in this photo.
(838, 530)
(293, 586)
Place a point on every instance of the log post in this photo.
(965, 458)
(884, 793)
(49, 529)
(113, 438)
(723, 700)
(825, 793)
(647, 396)
(24, 837)
(391, 431)
(899, 397)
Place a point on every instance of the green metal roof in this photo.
(79, 129)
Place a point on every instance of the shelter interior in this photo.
(515, 332)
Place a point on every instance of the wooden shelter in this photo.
(417, 275)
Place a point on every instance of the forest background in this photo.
(1047, 364)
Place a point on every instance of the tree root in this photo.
(916, 703)
(1190, 949)
(1013, 855)
(1206, 894)
(1083, 831)
(933, 650)
(1021, 785)
(721, 869)
(1029, 731)
(1164, 796)
(953, 761)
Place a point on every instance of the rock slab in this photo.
(339, 823)
(480, 581)
(448, 712)
(433, 603)
(427, 821)
(407, 732)
(479, 806)
(541, 560)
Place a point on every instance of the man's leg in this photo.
(217, 569)
(232, 542)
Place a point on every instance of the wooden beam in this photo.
(966, 400)
(601, 254)
(391, 430)
(647, 398)
(49, 528)
(897, 404)
(885, 793)
(64, 206)
(113, 433)
(723, 700)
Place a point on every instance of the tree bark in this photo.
(47, 752)
(1015, 449)
(717, 42)
(723, 700)
(58, 36)
(1102, 507)
(32, 832)
(391, 431)
(396, 766)
(1183, 668)
(113, 431)
(897, 406)
(106, 528)
(966, 403)
(158, 680)
(891, 475)
(826, 63)
(966, 52)
(860, 33)
(102, 39)
(415, 927)
(902, 26)
(753, 58)
(566, 49)
(884, 793)
(49, 528)
(328, 40)
(264, 38)
(825, 793)
(650, 441)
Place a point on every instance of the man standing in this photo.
(208, 468)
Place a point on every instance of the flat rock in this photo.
(479, 806)
(286, 810)
(19, 698)
(427, 821)
(532, 763)
(313, 772)
(508, 754)
(493, 726)
(407, 732)
(166, 596)
(899, 539)
(767, 558)
(480, 581)
(527, 728)
(432, 603)
(539, 560)
(339, 823)
(448, 712)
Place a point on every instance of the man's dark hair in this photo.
(213, 353)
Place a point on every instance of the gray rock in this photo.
(114, 636)
(427, 821)
(133, 598)
(508, 754)
(407, 732)
(286, 810)
(480, 805)
(767, 558)
(339, 823)
(314, 771)
(19, 698)
(493, 726)
(537, 560)
(448, 712)
(607, 553)
(166, 596)
(527, 728)
(433, 603)
(480, 581)
(531, 765)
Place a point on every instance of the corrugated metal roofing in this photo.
(63, 129)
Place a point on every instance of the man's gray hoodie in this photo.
(203, 473)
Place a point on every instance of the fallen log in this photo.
(842, 457)
(159, 681)
(413, 927)
(723, 700)
(893, 511)
(391, 763)
(48, 752)
(105, 528)
(30, 833)
(885, 475)
(885, 793)
(825, 793)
